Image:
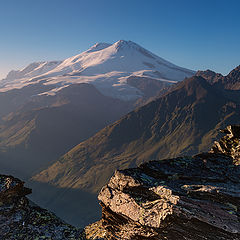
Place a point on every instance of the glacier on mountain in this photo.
(106, 66)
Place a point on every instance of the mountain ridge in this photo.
(190, 113)
(106, 66)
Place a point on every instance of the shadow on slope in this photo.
(48, 126)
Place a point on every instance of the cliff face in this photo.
(21, 219)
(181, 198)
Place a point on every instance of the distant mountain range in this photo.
(49, 107)
(184, 120)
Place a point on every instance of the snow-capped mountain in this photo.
(106, 66)
(33, 69)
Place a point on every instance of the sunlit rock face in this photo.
(229, 144)
(22, 219)
(190, 198)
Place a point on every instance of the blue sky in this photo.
(190, 33)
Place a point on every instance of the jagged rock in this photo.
(96, 231)
(229, 144)
(230, 81)
(181, 198)
(209, 75)
(21, 219)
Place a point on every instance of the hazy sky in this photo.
(196, 34)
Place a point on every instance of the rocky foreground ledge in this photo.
(191, 198)
(22, 220)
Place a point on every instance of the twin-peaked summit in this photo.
(106, 66)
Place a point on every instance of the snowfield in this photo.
(106, 66)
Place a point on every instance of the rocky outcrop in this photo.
(21, 219)
(230, 81)
(181, 198)
(229, 144)
(209, 75)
